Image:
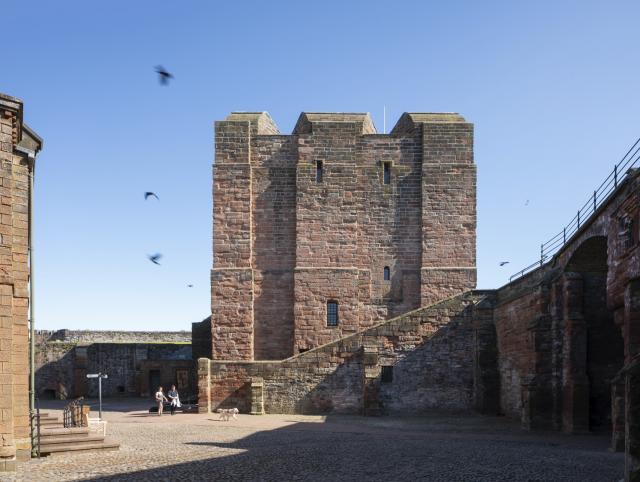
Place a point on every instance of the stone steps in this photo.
(56, 440)
(47, 418)
(46, 438)
(79, 447)
(50, 431)
(48, 442)
(47, 422)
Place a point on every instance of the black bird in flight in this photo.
(502, 263)
(149, 194)
(189, 286)
(527, 203)
(154, 258)
(163, 75)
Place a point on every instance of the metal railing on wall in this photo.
(588, 209)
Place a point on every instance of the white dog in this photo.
(227, 413)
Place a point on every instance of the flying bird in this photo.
(527, 203)
(163, 75)
(154, 258)
(148, 194)
(189, 286)
(502, 263)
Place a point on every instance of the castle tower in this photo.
(324, 232)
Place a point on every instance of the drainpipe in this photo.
(31, 156)
(32, 342)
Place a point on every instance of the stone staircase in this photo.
(55, 439)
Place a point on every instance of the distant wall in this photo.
(132, 362)
(87, 336)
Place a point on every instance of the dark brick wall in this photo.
(61, 367)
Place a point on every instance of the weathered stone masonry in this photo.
(429, 352)
(18, 147)
(286, 244)
(134, 362)
(567, 335)
(558, 348)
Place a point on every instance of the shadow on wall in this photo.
(306, 392)
(429, 360)
(406, 232)
(55, 379)
(340, 392)
(435, 375)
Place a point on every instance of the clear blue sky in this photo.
(552, 88)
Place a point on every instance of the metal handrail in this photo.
(35, 429)
(588, 209)
(72, 413)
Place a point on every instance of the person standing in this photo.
(160, 398)
(174, 399)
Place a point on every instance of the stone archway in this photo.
(593, 344)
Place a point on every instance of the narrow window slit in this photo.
(386, 376)
(332, 313)
(386, 170)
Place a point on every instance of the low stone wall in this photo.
(416, 362)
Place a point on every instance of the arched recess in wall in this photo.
(604, 343)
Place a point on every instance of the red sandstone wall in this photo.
(448, 210)
(430, 349)
(517, 308)
(327, 233)
(232, 276)
(14, 342)
(390, 222)
(285, 244)
(273, 163)
(558, 344)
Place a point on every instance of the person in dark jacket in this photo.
(174, 399)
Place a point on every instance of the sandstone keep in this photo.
(327, 231)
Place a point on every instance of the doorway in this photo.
(604, 343)
(154, 381)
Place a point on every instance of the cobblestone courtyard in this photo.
(287, 447)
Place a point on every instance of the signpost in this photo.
(99, 376)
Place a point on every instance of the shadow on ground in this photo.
(463, 448)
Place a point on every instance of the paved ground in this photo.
(286, 447)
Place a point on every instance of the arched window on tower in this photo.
(387, 273)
